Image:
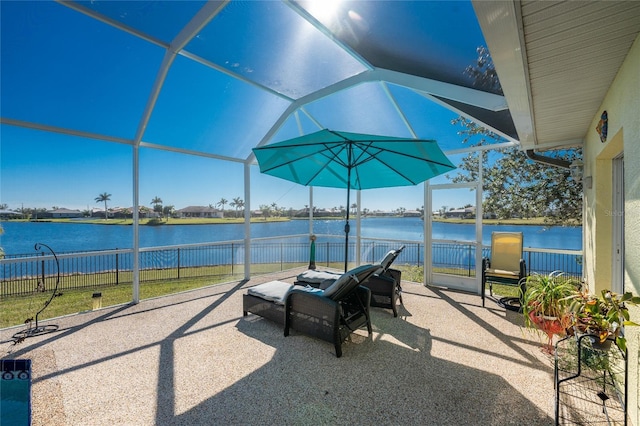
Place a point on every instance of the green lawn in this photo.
(18, 309)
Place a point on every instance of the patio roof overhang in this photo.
(556, 60)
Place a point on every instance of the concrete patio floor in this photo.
(193, 359)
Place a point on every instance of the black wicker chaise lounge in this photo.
(384, 284)
(330, 314)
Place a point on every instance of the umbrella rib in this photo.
(367, 146)
(333, 157)
(293, 160)
(331, 152)
(411, 155)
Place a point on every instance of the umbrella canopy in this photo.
(338, 159)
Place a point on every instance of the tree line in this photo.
(513, 184)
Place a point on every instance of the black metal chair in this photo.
(505, 266)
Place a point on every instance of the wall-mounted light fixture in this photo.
(577, 171)
(576, 168)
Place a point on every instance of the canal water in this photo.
(20, 237)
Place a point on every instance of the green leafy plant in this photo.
(603, 316)
(550, 296)
(546, 302)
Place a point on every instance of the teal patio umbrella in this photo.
(338, 159)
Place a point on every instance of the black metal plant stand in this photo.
(590, 383)
(37, 329)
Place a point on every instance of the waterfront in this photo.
(20, 237)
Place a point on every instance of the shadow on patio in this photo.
(193, 359)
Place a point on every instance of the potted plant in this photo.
(603, 317)
(546, 302)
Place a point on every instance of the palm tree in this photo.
(168, 211)
(266, 210)
(157, 204)
(104, 197)
(222, 203)
(237, 203)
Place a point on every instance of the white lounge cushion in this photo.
(273, 291)
(316, 277)
(277, 291)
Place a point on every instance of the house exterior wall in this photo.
(622, 104)
(67, 215)
(199, 212)
(63, 214)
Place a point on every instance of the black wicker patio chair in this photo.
(331, 314)
(385, 283)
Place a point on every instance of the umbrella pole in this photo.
(346, 234)
(312, 253)
(346, 225)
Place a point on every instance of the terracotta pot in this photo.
(550, 325)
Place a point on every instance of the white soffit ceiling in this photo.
(556, 60)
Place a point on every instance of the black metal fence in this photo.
(22, 275)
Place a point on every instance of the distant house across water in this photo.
(124, 213)
(9, 214)
(199, 211)
(412, 213)
(468, 212)
(63, 214)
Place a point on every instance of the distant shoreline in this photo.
(539, 221)
(535, 221)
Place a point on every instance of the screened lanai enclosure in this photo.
(161, 95)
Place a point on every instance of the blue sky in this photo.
(44, 170)
(100, 83)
